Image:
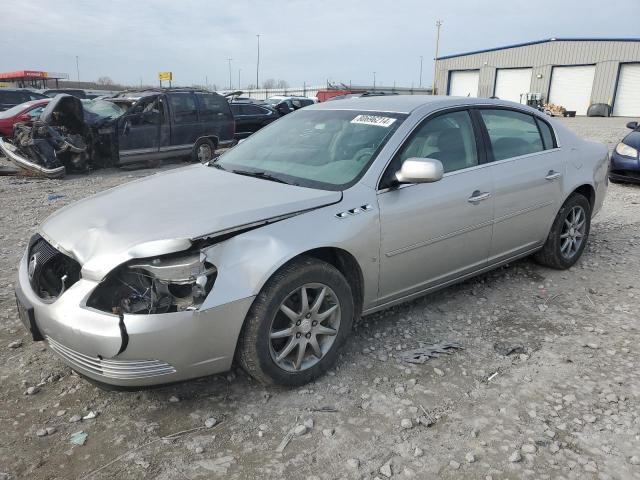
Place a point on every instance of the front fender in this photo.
(247, 261)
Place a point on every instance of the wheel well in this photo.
(348, 266)
(211, 138)
(588, 192)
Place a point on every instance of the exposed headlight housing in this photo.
(626, 150)
(170, 283)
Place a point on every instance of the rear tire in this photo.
(203, 151)
(568, 235)
(283, 321)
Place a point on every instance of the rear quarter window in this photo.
(212, 106)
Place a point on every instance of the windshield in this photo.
(103, 108)
(274, 101)
(327, 149)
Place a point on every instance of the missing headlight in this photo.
(170, 283)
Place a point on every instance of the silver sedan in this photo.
(269, 253)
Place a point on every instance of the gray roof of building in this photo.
(536, 42)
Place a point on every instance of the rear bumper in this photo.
(135, 350)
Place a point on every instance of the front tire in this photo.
(297, 324)
(569, 234)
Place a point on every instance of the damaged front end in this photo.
(164, 284)
(60, 140)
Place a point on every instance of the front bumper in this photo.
(27, 164)
(135, 350)
(624, 168)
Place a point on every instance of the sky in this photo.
(311, 41)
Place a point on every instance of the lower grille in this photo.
(117, 369)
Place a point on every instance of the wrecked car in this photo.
(146, 126)
(268, 253)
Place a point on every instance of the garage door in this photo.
(627, 102)
(571, 87)
(464, 83)
(512, 83)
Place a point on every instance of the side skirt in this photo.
(448, 283)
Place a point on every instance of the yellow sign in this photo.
(165, 76)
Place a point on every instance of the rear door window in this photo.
(511, 133)
(183, 105)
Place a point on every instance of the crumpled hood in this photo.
(159, 214)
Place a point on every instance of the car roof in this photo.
(284, 97)
(407, 103)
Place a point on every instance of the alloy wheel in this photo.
(305, 327)
(573, 232)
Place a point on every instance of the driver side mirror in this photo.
(632, 125)
(420, 170)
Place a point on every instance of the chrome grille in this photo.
(117, 369)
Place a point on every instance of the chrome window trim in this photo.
(466, 106)
(469, 169)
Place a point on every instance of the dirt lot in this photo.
(564, 404)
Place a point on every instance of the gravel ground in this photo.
(563, 404)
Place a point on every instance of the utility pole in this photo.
(374, 81)
(435, 60)
(230, 81)
(258, 64)
(420, 71)
(77, 68)
(239, 70)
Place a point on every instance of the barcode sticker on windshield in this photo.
(374, 120)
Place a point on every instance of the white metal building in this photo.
(570, 72)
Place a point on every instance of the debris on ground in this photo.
(285, 441)
(506, 348)
(78, 438)
(422, 354)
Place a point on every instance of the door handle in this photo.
(478, 196)
(553, 175)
